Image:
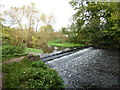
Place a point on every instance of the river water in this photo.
(88, 68)
(50, 49)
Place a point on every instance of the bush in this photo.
(9, 50)
(40, 78)
(25, 74)
(38, 64)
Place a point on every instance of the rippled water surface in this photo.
(89, 66)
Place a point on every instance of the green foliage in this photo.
(64, 30)
(25, 74)
(16, 66)
(13, 36)
(48, 28)
(96, 23)
(9, 50)
(29, 39)
(38, 64)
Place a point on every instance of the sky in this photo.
(60, 9)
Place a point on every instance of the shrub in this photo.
(38, 64)
(25, 74)
(40, 78)
(9, 50)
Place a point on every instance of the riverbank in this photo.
(10, 50)
(30, 74)
(105, 47)
(32, 50)
(27, 71)
(60, 43)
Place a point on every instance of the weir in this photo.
(88, 67)
(58, 54)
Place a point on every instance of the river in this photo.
(88, 68)
(49, 49)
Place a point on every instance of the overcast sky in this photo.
(60, 9)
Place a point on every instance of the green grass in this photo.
(30, 74)
(65, 44)
(32, 50)
(9, 51)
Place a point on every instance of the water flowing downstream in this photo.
(88, 67)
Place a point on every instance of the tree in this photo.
(27, 17)
(97, 22)
(47, 28)
(28, 20)
(64, 30)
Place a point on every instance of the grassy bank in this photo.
(9, 51)
(27, 73)
(65, 44)
(61, 43)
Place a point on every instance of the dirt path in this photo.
(15, 59)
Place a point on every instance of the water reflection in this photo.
(49, 49)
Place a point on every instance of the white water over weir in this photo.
(88, 67)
